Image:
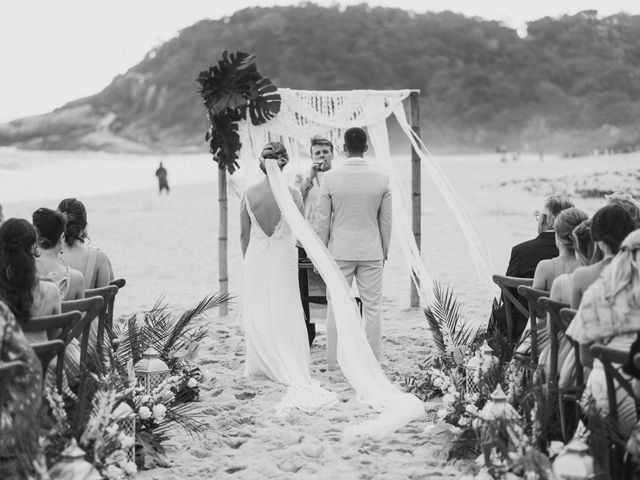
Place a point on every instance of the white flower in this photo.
(125, 440)
(145, 399)
(112, 429)
(442, 413)
(452, 390)
(192, 383)
(159, 412)
(130, 468)
(464, 421)
(555, 447)
(472, 409)
(113, 473)
(448, 399)
(438, 383)
(144, 413)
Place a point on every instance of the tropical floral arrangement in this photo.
(176, 339)
(115, 399)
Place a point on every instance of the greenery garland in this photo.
(229, 89)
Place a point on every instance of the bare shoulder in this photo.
(76, 276)
(50, 290)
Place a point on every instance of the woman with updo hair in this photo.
(548, 270)
(609, 227)
(92, 262)
(50, 226)
(20, 288)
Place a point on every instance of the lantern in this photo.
(150, 370)
(126, 420)
(499, 422)
(73, 465)
(498, 408)
(472, 371)
(574, 463)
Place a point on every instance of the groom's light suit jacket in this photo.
(354, 212)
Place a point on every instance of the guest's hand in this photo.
(318, 166)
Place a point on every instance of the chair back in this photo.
(566, 316)
(91, 308)
(533, 312)
(506, 285)
(105, 320)
(610, 357)
(7, 371)
(552, 308)
(50, 323)
(45, 352)
(118, 282)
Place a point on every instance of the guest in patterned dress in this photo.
(609, 313)
(21, 398)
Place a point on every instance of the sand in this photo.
(168, 245)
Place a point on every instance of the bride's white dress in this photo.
(275, 334)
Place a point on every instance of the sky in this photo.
(55, 51)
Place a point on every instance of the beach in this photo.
(165, 246)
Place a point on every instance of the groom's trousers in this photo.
(368, 275)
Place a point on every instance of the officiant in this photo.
(321, 151)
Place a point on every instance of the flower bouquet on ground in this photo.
(155, 357)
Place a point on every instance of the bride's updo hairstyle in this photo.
(276, 151)
(76, 216)
(18, 266)
(50, 227)
(564, 224)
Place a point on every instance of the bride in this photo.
(275, 332)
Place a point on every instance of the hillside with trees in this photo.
(571, 84)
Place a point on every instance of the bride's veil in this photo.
(355, 357)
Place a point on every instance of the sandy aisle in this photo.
(168, 245)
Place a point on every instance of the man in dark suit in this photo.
(526, 255)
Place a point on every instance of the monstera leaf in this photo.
(229, 89)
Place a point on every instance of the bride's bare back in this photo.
(264, 206)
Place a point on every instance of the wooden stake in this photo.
(223, 277)
(416, 195)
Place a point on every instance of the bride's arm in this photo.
(245, 228)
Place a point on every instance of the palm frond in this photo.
(179, 327)
(449, 328)
(182, 414)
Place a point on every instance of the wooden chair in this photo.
(7, 371)
(71, 325)
(105, 318)
(506, 285)
(610, 357)
(45, 352)
(90, 307)
(533, 312)
(569, 396)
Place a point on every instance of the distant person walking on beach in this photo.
(161, 173)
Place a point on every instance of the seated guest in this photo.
(548, 270)
(609, 226)
(627, 202)
(50, 227)
(526, 256)
(92, 262)
(20, 400)
(610, 314)
(20, 288)
(561, 291)
(25, 294)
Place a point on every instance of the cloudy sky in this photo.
(54, 51)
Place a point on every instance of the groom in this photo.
(354, 221)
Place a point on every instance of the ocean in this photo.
(166, 245)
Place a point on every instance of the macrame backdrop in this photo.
(305, 113)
